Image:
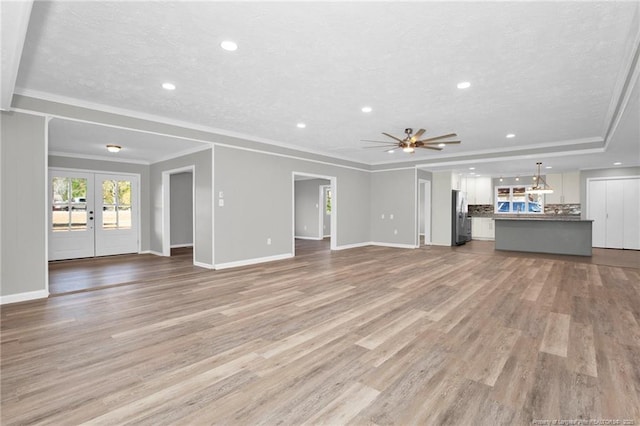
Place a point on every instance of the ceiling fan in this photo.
(412, 141)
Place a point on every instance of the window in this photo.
(514, 199)
(116, 204)
(69, 207)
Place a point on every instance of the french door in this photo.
(92, 214)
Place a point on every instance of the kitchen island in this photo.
(544, 234)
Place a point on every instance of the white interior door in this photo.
(92, 214)
(71, 219)
(116, 226)
(615, 214)
(631, 193)
(598, 212)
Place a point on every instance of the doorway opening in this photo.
(424, 212)
(314, 213)
(178, 212)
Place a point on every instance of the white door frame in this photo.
(96, 172)
(166, 208)
(321, 212)
(334, 207)
(424, 210)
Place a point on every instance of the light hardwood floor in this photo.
(363, 336)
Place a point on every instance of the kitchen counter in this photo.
(555, 234)
(541, 217)
(529, 216)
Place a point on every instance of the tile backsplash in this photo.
(549, 209)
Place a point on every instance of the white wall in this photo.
(441, 208)
(393, 207)
(23, 216)
(259, 204)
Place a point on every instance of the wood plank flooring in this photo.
(371, 335)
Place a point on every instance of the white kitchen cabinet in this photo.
(483, 190)
(554, 180)
(479, 190)
(482, 228)
(566, 188)
(571, 188)
(614, 207)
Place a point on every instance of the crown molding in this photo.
(97, 157)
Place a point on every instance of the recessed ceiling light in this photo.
(472, 168)
(168, 86)
(114, 148)
(617, 163)
(391, 151)
(367, 109)
(464, 85)
(229, 45)
(517, 178)
(511, 135)
(301, 125)
(548, 167)
(441, 145)
(501, 179)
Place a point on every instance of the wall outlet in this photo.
(268, 241)
(391, 216)
(221, 202)
(382, 216)
(220, 194)
(395, 232)
(317, 205)
(305, 227)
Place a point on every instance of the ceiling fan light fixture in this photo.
(301, 125)
(511, 135)
(540, 187)
(391, 151)
(464, 85)
(113, 148)
(367, 109)
(168, 86)
(408, 149)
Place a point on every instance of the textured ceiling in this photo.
(549, 72)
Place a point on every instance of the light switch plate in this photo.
(221, 202)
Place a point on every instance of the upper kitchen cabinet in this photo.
(479, 190)
(566, 188)
(484, 190)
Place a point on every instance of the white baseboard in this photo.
(144, 252)
(483, 239)
(327, 236)
(356, 245)
(203, 265)
(307, 238)
(156, 253)
(247, 262)
(23, 297)
(394, 245)
(181, 245)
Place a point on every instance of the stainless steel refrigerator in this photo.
(460, 220)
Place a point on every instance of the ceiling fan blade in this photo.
(385, 142)
(437, 143)
(417, 135)
(435, 148)
(439, 137)
(380, 146)
(392, 137)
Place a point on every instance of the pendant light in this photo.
(540, 186)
